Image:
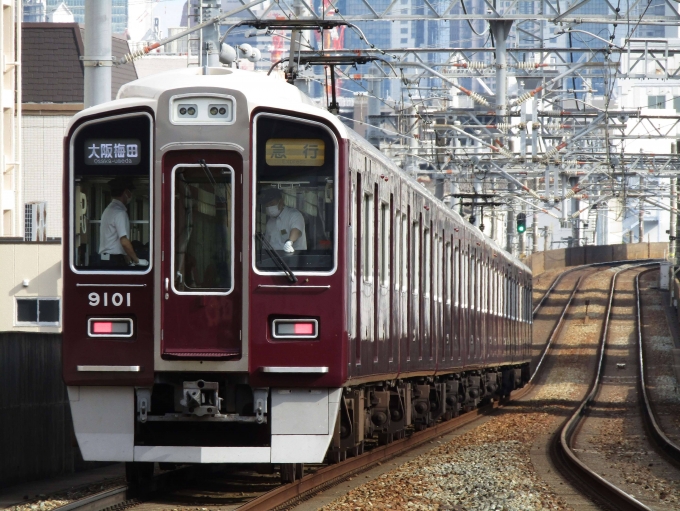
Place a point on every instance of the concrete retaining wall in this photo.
(576, 256)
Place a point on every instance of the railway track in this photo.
(583, 469)
(284, 496)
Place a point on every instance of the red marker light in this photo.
(304, 329)
(102, 327)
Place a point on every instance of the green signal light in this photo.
(521, 223)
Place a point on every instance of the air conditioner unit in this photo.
(35, 218)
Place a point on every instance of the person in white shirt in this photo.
(115, 248)
(285, 225)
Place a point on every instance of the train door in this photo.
(447, 333)
(402, 284)
(457, 323)
(426, 300)
(355, 345)
(201, 311)
(382, 275)
(366, 279)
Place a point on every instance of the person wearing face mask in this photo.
(115, 248)
(285, 226)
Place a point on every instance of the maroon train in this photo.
(224, 349)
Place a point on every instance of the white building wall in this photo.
(30, 270)
(43, 157)
(10, 56)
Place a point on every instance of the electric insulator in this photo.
(550, 153)
(478, 98)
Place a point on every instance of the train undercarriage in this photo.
(213, 413)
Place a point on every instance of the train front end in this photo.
(212, 341)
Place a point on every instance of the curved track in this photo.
(578, 469)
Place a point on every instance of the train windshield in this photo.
(295, 203)
(111, 195)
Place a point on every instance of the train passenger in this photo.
(115, 247)
(285, 226)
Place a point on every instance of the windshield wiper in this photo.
(276, 257)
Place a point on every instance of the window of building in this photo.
(404, 40)
(676, 103)
(656, 102)
(38, 311)
(404, 30)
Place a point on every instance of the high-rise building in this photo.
(33, 11)
(119, 12)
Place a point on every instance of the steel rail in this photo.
(663, 443)
(599, 488)
(285, 496)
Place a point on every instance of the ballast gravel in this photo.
(55, 500)
(482, 470)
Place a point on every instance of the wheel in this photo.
(139, 476)
(287, 473)
(299, 470)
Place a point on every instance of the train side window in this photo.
(294, 203)
(404, 252)
(427, 262)
(384, 242)
(448, 276)
(415, 258)
(111, 204)
(456, 275)
(397, 250)
(367, 237)
(353, 228)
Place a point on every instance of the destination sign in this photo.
(295, 152)
(117, 151)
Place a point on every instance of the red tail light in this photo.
(109, 327)
(295, 328)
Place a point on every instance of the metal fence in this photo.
(36, 431)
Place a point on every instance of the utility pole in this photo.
(510, 229)
(210, 36)
(98, 58)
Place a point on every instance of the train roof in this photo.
(263, 91)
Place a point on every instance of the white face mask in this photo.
(273, 211)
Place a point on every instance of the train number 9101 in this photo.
(116, 299)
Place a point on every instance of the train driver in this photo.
(285, 225)
(115, 247)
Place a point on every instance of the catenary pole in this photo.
(98, 58)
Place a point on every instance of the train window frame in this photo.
(456, 276)
(404, 253)
(367, 235)
(336, 194)
(232, 212)
(427, 262)
(397, 250)
(415, 258)
(71, 195)
(384, 244)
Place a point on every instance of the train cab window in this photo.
(110, 186)
(203, 229)
(295, 203)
